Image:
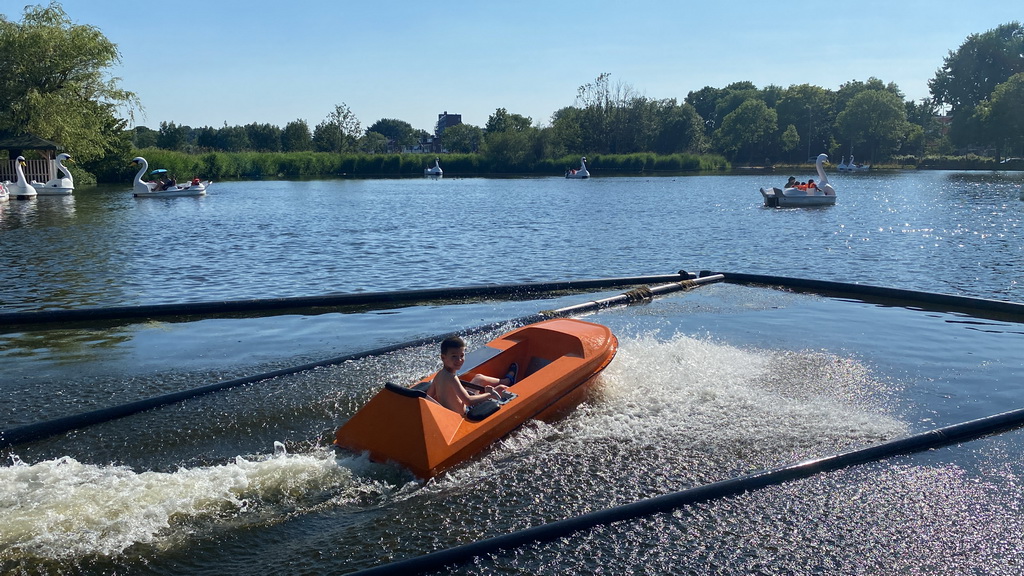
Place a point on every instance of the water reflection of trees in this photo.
(64, 345)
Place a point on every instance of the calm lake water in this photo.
(709, 384)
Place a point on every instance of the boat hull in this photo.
(558, 360)
(774, 197)
(53, 191)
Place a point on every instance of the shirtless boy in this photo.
(449, 391)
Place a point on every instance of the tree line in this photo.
(53, 83)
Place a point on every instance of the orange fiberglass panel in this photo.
(557, 358)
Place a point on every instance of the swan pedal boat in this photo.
(823, 195)
(62, 186)
(20, 190)
(146, 189)
(180, 190)
(558, 359)
(434, 170)
(579, 173)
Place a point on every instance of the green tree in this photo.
(296, 137)
(206, 138)
(790, 140)
(143, 137)
(373, 143)
(54, 83)
(503, 121)
(1003, 116)
(705, 102)
(970, 74)
(876, 120)
(339, 132)
(263, 137)
(679, 129)
(400, 132)
(172, 137)
(232, 139)
(462, 138)
(748, 131)
(811, 110)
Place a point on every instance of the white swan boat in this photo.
(147, 189)
(822, 195)
(60, 186)
(853, 166)
(579, 173)
(4, 194)
(20, 190)
(434, 170)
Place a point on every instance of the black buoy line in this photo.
(325, 303)
(39, 430)
(998, 309)
(936, 438)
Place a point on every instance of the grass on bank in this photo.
(297, 165)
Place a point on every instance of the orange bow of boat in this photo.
(558, 359)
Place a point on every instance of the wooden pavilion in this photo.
(41, 166)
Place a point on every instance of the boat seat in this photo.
(534, 365)
(410, 392)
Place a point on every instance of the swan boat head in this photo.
(819, 166)
(68, 181)
(139, 185)
(21, 189)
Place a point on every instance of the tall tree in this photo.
(1003, 116)
(810, 109)
(339, 132)
(875, 120)
(54, 82)
(296, 137)
(504, 121)
(464, 138)
(263, 137)
(400, 132)
(172, 137)
(970, 74)
(983, 61)
(748, 131)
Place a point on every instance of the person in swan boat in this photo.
(448, 390)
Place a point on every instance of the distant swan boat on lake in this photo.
(580, 173)
(434, 170)
(822, 194)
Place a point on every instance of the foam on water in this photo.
(696, 410)
(718, 397)
(63, 509)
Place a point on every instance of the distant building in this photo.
(446, 120)
(434, 144)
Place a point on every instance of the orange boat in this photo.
(406, 426)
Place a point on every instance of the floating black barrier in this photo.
(998, 309)
(331, 301)
(39, 430)
(544, 533)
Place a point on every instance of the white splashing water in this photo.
(64, 509)
(712, 396)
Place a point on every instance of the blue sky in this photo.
(211, 62)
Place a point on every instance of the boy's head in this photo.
(453, 353)
(452, 342)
